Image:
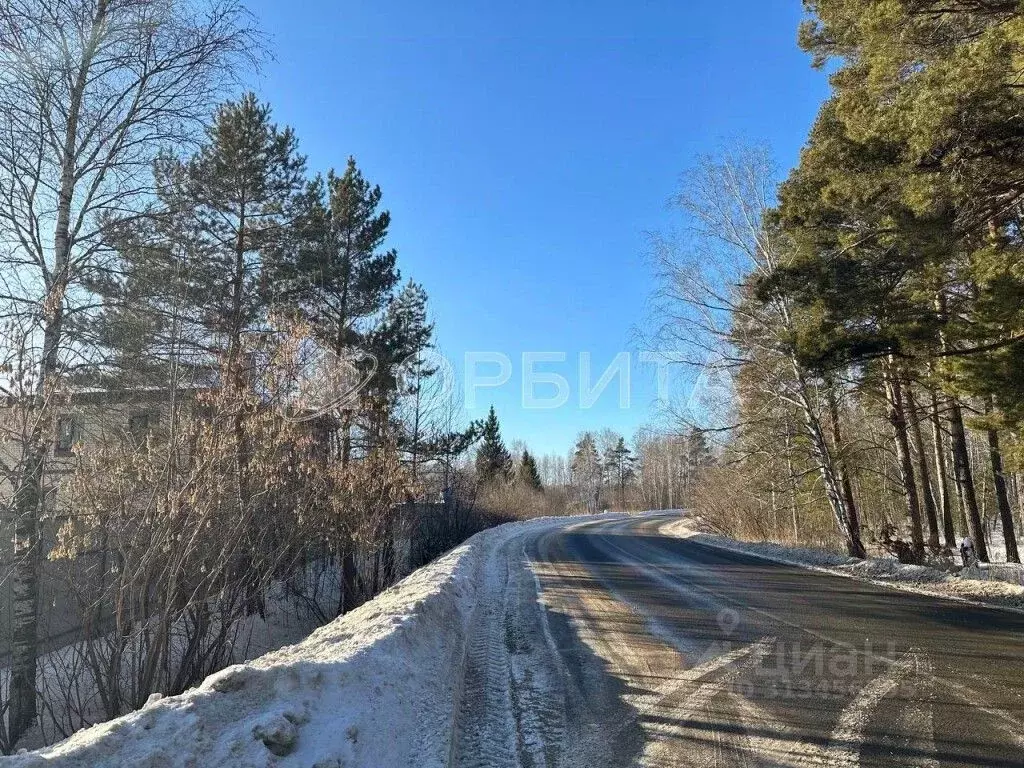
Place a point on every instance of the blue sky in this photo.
(524, 150)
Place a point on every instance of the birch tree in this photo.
(90, 91)
(712, 322)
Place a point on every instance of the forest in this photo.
(866, 306)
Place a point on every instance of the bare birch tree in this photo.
(711, 324)
(90, 91)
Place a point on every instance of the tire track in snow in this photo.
(483, 737)
(538, 681)
(512, 709)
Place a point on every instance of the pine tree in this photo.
(587, 472)
(528, 473)
(493, 461)
(397, 344)
(192, 284)
(399, 340)
(900, 203)
(336, 274)
(619, 464)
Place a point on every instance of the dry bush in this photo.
(733, 503)
(502, 502)
(190, 527)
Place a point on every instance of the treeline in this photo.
(868, 309)
(602, 471)
(216, 394)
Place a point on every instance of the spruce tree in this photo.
(528, 473)
(493, 461)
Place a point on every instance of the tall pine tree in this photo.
(336, 274)
(192, 283)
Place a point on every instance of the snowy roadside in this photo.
(884, 571)
(375, 687)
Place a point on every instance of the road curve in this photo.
(611, 643)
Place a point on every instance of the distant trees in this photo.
(618, 464)
(657, 470)
(587, 472)
(668, 467)
(528, 474)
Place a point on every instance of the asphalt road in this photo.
(615, 644)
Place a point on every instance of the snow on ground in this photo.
(376, 687)
(998, 584)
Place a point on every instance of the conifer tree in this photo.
(528, 473)
(587, 472)
(336, 274)
(618, 461)
(907, 204)
(493, 461)
(192, 283)
(397, 344)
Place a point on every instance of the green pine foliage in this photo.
(335, 272)
(191, 282)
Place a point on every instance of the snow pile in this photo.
(988, 584)
(376, 687)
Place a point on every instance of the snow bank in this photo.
(995, 584)
(376, 687)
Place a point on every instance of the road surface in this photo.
(614, 644)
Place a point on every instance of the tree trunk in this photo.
(28, 497)
(898, 420)
(349, 582)
(25, 599)
(928, 495)
(1002, 497)
(964, 479)
(945, 500)
(794, 510)
(831, 467)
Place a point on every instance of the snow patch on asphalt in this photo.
(377, 687)
(986, 588)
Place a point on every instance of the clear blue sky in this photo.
(524, 149)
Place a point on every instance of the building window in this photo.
(68, 433)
